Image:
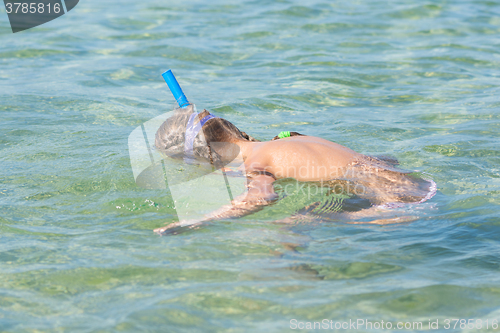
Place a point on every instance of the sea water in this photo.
(417, 80)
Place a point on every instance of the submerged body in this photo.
(308, 158)
(377, 181)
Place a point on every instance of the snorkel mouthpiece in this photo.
(175, 88)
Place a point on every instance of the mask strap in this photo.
(192, 131)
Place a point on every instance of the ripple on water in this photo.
(418, 81)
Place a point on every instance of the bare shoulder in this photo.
(284, 157)
(299, 144)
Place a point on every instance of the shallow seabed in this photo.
(418, 80)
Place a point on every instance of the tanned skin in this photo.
(304, 158)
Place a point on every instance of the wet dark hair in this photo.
(170, 136)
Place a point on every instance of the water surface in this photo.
(416, 80)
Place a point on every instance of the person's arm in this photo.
(260, 193)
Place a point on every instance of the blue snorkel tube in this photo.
(191, 129)
(175, 88)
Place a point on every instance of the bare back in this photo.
(305, 158)
(308, 158)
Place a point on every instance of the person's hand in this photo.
(178, 227)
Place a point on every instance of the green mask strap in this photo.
(284, 134)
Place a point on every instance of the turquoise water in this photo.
(416, 80)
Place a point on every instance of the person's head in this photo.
(216, 141)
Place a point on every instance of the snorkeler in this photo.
(375, 182)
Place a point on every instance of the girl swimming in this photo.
(375, 182)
